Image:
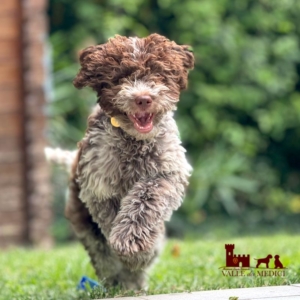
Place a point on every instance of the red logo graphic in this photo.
(263, 261)
(233, 260)
(239, 264)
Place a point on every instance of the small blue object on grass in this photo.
(86, 280)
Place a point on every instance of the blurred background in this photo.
(239, 119)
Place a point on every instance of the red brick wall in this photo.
(35, 77)
(12, 206)
(25, 207)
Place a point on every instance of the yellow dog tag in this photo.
(114, 122)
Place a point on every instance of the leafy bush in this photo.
(240, 117)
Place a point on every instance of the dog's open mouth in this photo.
(142, 121)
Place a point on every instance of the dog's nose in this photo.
(143, 101)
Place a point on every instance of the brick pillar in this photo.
(13, 214)
(25, 206)
(35, 82)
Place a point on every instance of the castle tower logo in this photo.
(239, 264)
(233, 260)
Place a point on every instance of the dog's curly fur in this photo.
(127, 180)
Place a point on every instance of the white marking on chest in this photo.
(108, 167)
(98, 173)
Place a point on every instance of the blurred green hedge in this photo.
(240, 117)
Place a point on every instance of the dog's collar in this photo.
(114, 122)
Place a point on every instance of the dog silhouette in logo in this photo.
(277, 262)
(265, 260)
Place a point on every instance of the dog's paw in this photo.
(128, 241)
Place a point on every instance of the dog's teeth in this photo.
(142, 121)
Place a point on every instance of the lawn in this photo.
(190, 265)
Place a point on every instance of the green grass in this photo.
(54, 274)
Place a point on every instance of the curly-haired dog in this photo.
(265, 260)
(277, 262)
(130, 171)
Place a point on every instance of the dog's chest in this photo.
(109, 167)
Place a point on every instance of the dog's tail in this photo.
(61, 157)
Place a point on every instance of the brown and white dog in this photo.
(130, 172)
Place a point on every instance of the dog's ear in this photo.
(186, 54)
(90, 60)
(189, 60)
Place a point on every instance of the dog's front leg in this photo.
(148, 204)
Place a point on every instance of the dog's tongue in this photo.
(142, 122)
(143, 118)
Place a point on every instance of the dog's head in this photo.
(137, 80)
